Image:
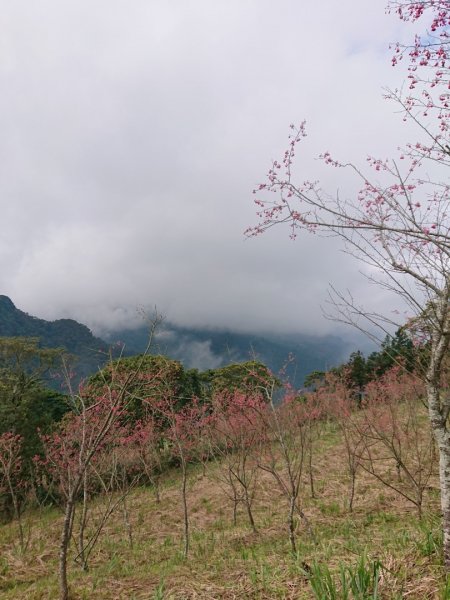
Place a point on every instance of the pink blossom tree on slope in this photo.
(399, 222)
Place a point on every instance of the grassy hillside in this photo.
(230, 561)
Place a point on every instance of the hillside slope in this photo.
(90, 351)
(139, 554)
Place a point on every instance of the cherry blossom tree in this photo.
(148, 443)
(286, 429)
(234, 434)
(337, 400)
(72, 458)
(398, 224)
(183, 429)
(398, 447)
(97, 412)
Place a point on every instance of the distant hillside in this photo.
(196, 348)
(76, 338)
(209, 348)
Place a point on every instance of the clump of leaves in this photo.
(360, 582)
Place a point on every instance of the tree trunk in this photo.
(438, 412)
(291, 525)
(83, 521)
(248, 506)
(127, 522)
(442, 437)
(17, 513)
(352, 489)
(156, 487)
(444, 470)
(185, 509)
(235, 505)
(310, 462)
(64, 547)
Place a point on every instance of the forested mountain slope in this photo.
(199, 348)
(90, 351)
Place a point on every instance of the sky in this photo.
(133, 134)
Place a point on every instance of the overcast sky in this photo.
(133, 133)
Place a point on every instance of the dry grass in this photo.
(232, 563)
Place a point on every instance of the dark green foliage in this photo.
(193, 385)
(159, 377)
(397, 349)
(314, 379)
(25, 403)
(154, 377)
(37, 408)
(358, 371)
(77, 339)
(358, 582)
(251, 377)
(356, 374)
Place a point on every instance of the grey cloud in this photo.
(133, 134)
(196, 354)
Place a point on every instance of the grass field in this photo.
(382, 546)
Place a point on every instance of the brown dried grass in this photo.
(229, 562)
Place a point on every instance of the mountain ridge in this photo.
(206, 348)
(91, 352)
(200, 348)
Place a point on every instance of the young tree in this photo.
(399, 222)
(183, 428)
(71, 460)
(148, 443)
(398, 447)
(337, 400)
(286, 429)
(98, 410)
(13, 486)
(234, 434)
(112, 475)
